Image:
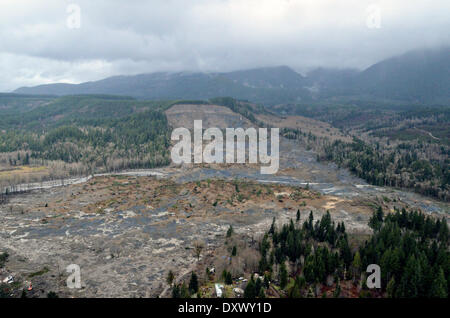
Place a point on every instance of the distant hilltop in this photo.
(421, 76)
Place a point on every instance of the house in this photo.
(9, 279)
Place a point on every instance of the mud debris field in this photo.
(126, 232)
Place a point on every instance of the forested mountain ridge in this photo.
(172, 86)
(420, 77)
(76, 109)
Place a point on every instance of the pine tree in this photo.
(443, 231)
(266, 281)
(356, 263)
(230, 231)
(272, 227)
(170, 277)
(298, 215)
(175, 291)
(439, 285)
(342, 227)
(258, 286)
(184, 291)
(193, 283)
(310, 221)
(229, 279)
(374, 222)
(345, 252)
(337, 290)
(283, 275)
(380, 214)
(390, 289)
(249, 291)
(261, 293)
(296, 289)
(309, 269)
(410, 282)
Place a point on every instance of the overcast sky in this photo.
(44, 42)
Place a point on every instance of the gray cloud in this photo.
(130, 37)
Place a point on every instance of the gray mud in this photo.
(129, 252)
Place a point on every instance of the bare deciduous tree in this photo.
(198, 248)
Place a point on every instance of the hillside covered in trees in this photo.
(410, 248)
(79, 135)
(318, 258)
(398, 146)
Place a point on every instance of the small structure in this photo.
(9, 280)
(218, 288)
(239, 292)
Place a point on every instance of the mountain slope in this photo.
(268, 77)
(420, 76)
(268, 85)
